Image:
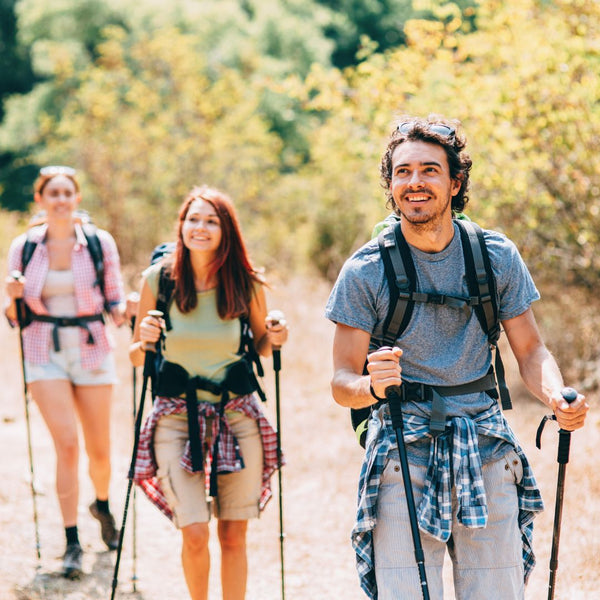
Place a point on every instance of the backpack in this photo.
(90, 232)
(171, 379)
(401, 277)
(164, 300)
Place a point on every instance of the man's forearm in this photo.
(351, 390)
(541, 375)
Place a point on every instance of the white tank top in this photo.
(58, 295)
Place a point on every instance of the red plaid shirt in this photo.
(228, 457)
(37, 336)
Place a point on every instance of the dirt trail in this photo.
(319, 487)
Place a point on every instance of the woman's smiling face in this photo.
(201, 230)
(59, 197)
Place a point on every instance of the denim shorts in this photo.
(238, 493)
(66, 364)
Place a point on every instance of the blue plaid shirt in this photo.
(454, 452)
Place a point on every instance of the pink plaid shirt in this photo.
(228, 460)
(37, 336)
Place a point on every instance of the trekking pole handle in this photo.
(275, 317)
(393, 390)
(133, 298)
(16, 275)
(151, 346)
(564, 437)
(393, 393)
(569, 394)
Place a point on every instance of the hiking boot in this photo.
(72, 560)
(110, 534)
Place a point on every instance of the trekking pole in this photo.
(21, 319)
(392, 393)
(276, 316)
(564, 444)
(150, 350)
(134, 514)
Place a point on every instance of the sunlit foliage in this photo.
(241, 95)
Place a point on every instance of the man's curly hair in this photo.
(419, 129)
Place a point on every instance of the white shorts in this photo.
(66, 364)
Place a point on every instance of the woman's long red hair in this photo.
(235, 275)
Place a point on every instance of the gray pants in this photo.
(487, 563)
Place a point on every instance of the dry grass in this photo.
(319, 484)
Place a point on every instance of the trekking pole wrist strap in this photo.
(375, 395)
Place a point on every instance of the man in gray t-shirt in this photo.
(471, 482)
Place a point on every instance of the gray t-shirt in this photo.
(441, 345)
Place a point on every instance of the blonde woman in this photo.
(69, 364)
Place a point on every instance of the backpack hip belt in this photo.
(81, 321)
(173, 380)
(421, 392)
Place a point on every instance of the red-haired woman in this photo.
(204, 405)
(68, 359)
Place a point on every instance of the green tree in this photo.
(265, 42)
(17, 78)
(383, 21)
(147, 123)
(530, 108)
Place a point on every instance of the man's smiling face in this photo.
(421, 185)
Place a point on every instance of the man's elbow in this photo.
(338, 390)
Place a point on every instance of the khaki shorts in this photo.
(238, 493)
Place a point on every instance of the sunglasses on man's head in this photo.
(54, 170)
(438, 128)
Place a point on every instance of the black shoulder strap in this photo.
(164, 299)
(95, 250)
(482, 288)
(401, 279)
(28, 250)
(247, 349)
(480, 278)
(401, 276)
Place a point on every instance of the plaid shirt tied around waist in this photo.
(228, 459)
(453, 460)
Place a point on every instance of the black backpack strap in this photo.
(247, 349)
(95, 250)
(28, 250)
(164, 299)
(480, 278)
(401, 277)
(484, 296)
